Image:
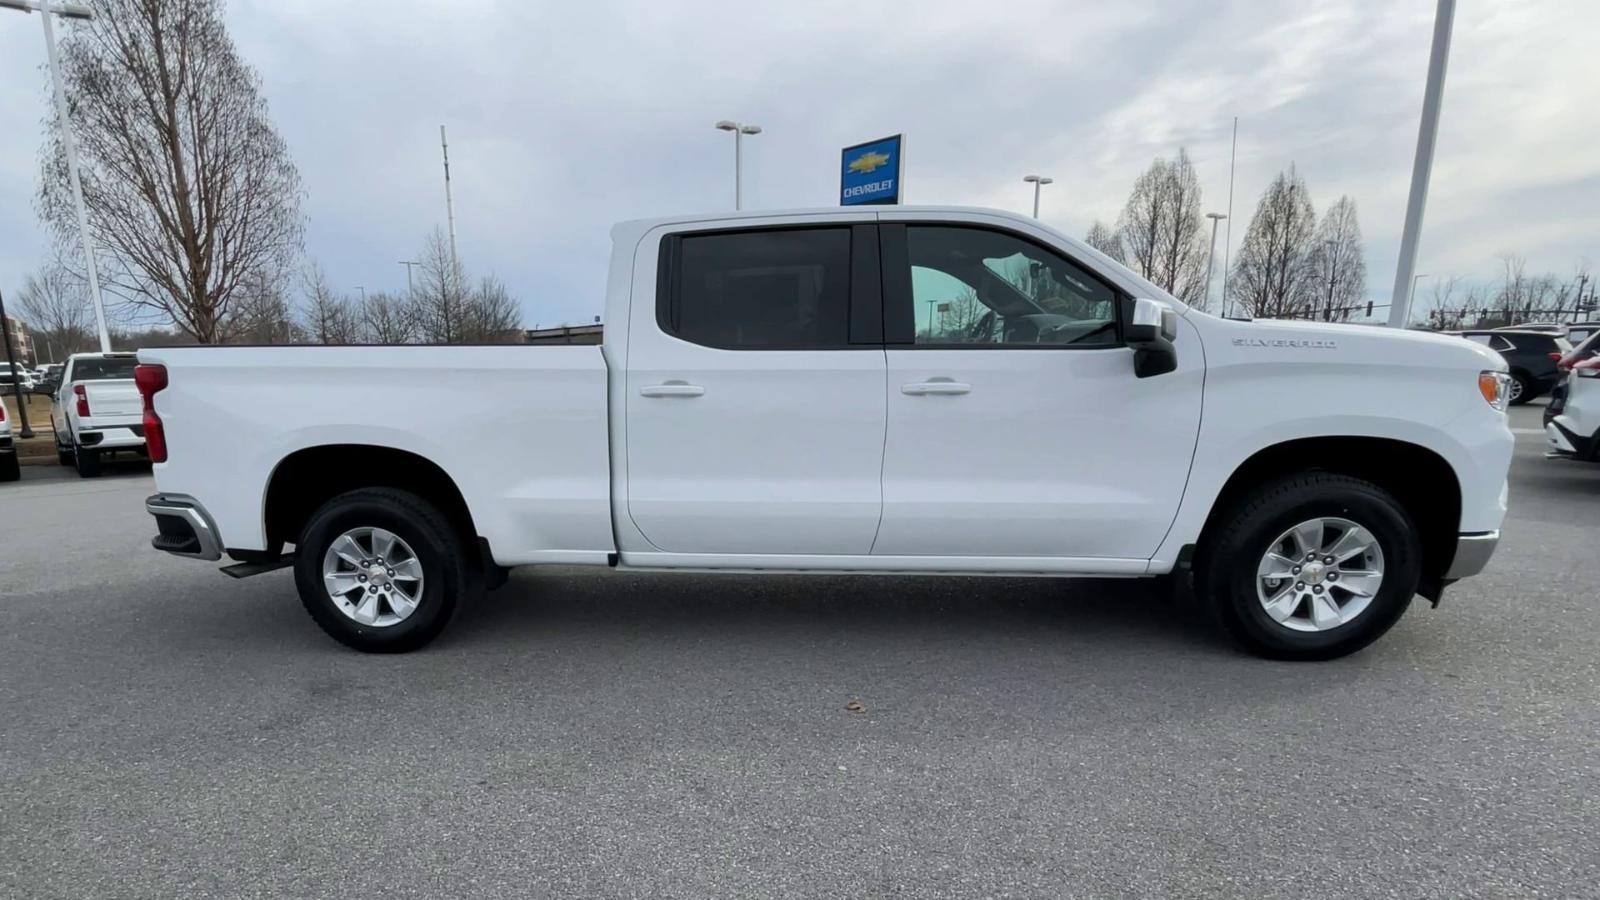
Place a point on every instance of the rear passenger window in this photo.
(752, 290)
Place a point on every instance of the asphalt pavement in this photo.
(168, 731)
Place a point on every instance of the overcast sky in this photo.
(564, 117)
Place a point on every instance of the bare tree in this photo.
(1273, 275)
(1104, 238)
(1161, 231)
(441, 302)
(491, 316)
(262, 314)
(55, 305)
(1338, 263)
(1447, 309)
(189, 188)
(388, 319)
(330, 317)
(449, 312)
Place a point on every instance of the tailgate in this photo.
(116, 397)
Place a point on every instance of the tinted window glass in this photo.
(763, 289)
(975, 286)
(100, 369)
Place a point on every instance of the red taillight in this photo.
(1555, 355)
(83, 400)
(151, 379)
(2, 412)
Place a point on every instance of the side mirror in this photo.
(1150, 332)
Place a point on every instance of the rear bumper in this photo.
(185, 527)
(111, 437)
(1472, 554)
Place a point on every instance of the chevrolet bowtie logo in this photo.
(866, 163)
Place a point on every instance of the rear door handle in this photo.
(921, 388)
(672, 389)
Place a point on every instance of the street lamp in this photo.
(1212, 256)
(71, 11)
(739, 131)
(408, 263)
(1332, 256)
(1411, 297)
(1037, 181)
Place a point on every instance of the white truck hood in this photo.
(1231, 340)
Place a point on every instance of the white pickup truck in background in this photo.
(929, 390)
(97, 410)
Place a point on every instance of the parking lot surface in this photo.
(168, 731)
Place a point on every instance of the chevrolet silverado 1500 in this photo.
(929, 390)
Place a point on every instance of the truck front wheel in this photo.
(380, 570)
(1313, 566)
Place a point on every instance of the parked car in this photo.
(1531, 357)
(1578, 332)
(1541, 327)
(97, 410)
(15, 373)
(9, 469)
(933, 390)
(1572, 421)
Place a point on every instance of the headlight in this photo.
(1495, 388)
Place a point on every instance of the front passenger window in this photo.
(973, 286)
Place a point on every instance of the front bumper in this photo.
(186, 529)
(1472, 554)
(1562, 442)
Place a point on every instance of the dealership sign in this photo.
(872, 172)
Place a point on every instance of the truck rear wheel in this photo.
(1314, 566)
(10, 468)
(380, 570)
(88, 462)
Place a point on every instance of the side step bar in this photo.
(246, 569)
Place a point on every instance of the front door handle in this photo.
(922, 388)
(672, 389)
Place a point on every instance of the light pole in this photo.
(1412, 297)
(71, 11)
(739, 131)
(1422, 166)
(1333, 277)
(408, 263)
(1038, 181)
(1212, 256)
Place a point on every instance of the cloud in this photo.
(566, 117)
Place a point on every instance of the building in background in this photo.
(21, 342)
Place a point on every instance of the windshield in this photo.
(102, 368)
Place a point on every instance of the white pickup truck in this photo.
(97, 410)
(907, 390)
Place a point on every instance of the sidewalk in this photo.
(41, 448)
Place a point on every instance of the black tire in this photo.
(88, 462)
(64, 456)
(1522, 389)
(437, 544)
(1227, 559)
(10, 468)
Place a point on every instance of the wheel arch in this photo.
(1421, 480)
(309, 477)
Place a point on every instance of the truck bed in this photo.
(521, 431)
